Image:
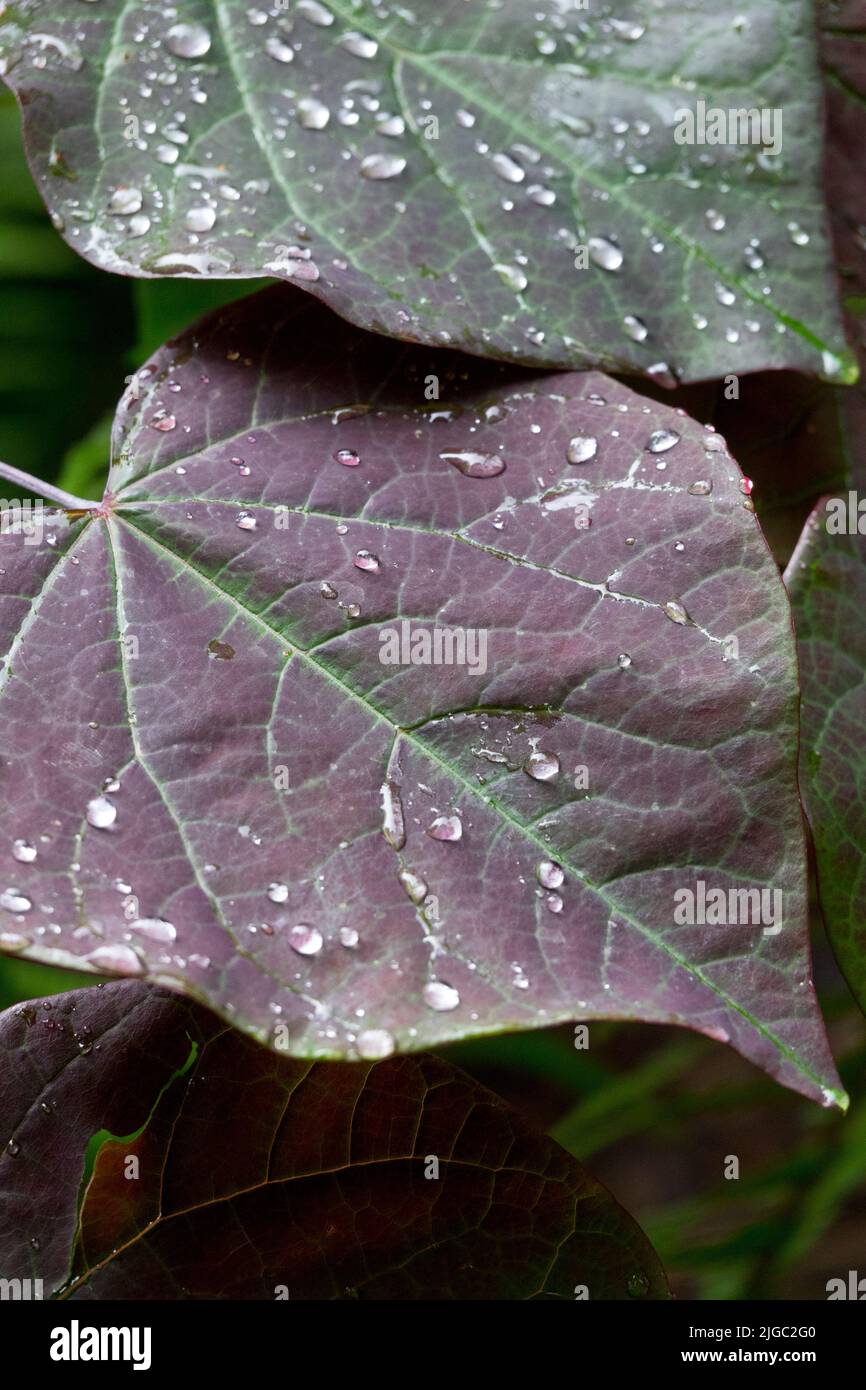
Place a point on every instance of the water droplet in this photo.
(465, 119)
(635, 328)
(661, 440)
(725, 296)
(374, 1044)
(475, 465)
(393, 823)
(366, 560)
(163, 422)
(139, 225)
(715, 220)
(382, 166)
(315, 13)
(278, 50)
(702, 488)
(508, 168)
(545, 197)
(125, 201)
(188, 40)
(414, 885)
(313, 114)
(101, 813)
(553, 902)
(327, 590)
(307, 941)
(392, 126)
(155, 929)
(278, 892)
(349, 938)
(200, 219)
(605, 253)
(446, 828)
(675, 611)
(24, 852)
(581, 448)
(549, 873)
(359, 45)
(440, 997)
(512, 276)
(627, 29)
(623, 660)
(638, 1285)
(13, 1148)
(544, 767)
(245, 522)
(348, 458)
(798, 236)
(116, 960)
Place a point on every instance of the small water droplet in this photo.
(349, 938)
(623, 660)
(278, 892)
(367, 561)
(702, 488)
(278, 50)
(348, 458)
(635, 328)
(125, 201)
(155, 929)
(638, 1285)
(24, 852)
(414, 885)
(512, 276)
(200, 219)
(245, 522)
(715, 220)
(359, 45)
(313, 114)
(116, 960)
(393, 823)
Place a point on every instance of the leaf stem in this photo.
(47, 490)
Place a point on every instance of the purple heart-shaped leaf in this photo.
(385, 701)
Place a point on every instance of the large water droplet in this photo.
(13, 901)
(313, 114)
(549, 873)
(382, 166)
(675, 611)
(393, 823)
(508, 168)
(101, 813)
(661, 440)
(200, 219)
(374, 1044)
(605, 253)
(544, 767)
(155, 929)
(116, 960)
(473, 464)
(359, 45)
(440, 997)
(188, 40)
(307, 941)
(582, 448)
(446, 828)
(315, 13)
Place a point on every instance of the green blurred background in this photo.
(654, 1112)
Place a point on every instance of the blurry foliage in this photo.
(655, 1110)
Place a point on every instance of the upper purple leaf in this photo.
(374, 721)
(634, 185)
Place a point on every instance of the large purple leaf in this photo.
(517, 182)
(200, 735)
(245, 1175)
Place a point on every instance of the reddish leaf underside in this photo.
(198, 724)
(243, 1175)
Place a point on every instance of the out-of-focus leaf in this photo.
(517, 183)
(205, 714)
(826, 579)
(241, 1174)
